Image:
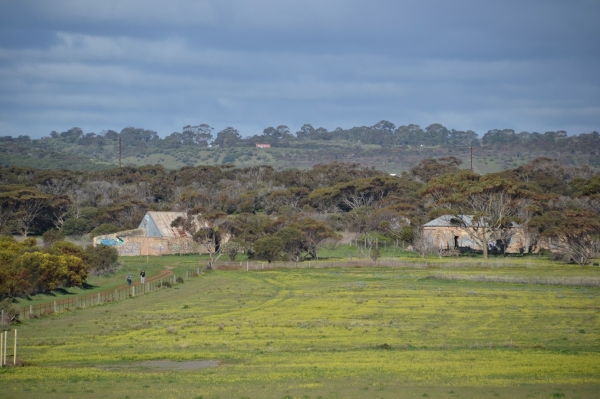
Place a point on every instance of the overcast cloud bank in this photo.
(162, 65)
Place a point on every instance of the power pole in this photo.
(471, 158)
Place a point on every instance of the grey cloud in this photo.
(467, 64)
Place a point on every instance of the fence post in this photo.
(1, 348)
(5, 344)
(55, 307)
(15, 354)
(133, 290)
(30, 310)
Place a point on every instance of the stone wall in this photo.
(132, 243)
(443, 237)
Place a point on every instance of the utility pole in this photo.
(471, 158)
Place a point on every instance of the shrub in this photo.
(46, 271)
(68, 248)
(11, 312)
(9, 249)
(560, 256)
(268, 248)
(14, 281)
(76, 227)
(232, 249)
(105, 228)
(102, 259)
(51, 236)
(375, 254)
(77, 271)
(25, 269)
(544, 252)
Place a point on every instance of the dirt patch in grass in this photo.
(163, 365)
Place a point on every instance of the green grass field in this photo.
(329, 333)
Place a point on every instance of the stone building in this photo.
(448, 232)
(153, 237)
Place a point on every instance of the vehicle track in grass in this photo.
(166, 272)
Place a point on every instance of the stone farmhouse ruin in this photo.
(153, 237)
(446, 232)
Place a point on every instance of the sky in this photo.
(527, 65)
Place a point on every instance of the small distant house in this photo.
(450, 232)
(154, 237)
(263, 145)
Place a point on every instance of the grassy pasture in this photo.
(329, 333)
(335, 253)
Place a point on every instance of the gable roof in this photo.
(447, 221)
(162, 221)
(458, 221)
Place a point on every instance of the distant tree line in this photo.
(384, 133)
(382, 145)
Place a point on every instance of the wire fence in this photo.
(118, 294)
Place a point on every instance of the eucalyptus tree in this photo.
(23, 206)
(228, 137)
(207, 228)
(269, 248)
(573, 232)
(482, 206)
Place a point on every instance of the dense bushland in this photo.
(288, 214)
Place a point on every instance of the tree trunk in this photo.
(485, 238)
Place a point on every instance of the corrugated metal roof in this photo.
(456, 221)
(163, 222)
(450, 221)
